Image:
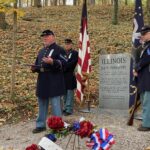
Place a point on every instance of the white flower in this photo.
(81, 119)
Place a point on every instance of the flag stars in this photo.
(139, 7)
(140, 14)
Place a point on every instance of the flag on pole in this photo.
(138, 23)
(84, 60)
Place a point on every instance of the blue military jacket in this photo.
(69, 74)
(143, 69)
(50, 82)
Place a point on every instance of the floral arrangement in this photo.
(55, 123)
(85, 129)
(57, 126)
(101, 140)
(98, 139)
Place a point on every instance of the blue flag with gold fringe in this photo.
(138, 23)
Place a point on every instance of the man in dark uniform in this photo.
(70, 79)
(143, 72)
(50, 83)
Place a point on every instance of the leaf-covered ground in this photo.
(65, 22)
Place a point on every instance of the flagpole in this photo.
(88, 109)
(84, 61)
(138, 22)
(88, 94)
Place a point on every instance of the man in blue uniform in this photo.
(70, 79)
(143, 72)
(50, 83)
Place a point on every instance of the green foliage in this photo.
(59, 133)
(5, 6)
(7, 1)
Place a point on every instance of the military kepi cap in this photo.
(145, 29)
(68, 41)
(47, 32)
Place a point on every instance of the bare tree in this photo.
(91, 2)
(46, 2)
(27, 3)
(126, 2)
(64, 2)
(37, 3)
(13, 68)
(20, 3)
(3, 23)
(54, 2)
(74, 2)
(107, 2)
(115, 13)
(111, 2)
(32, 2)
(103, 2)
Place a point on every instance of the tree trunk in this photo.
(64, 2)
(3, 23)
(104, 2)
(115, 13)
(37, 3)
(31, 2)
(79, 2)
(148, 10)
(20, 3)
(13, 68)
(126, 2)
(60, 2)
(46, 2)
(91, 2)
(27, 3)
(112, 2)
(55, 2)
(74, 2)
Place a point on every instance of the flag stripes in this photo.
(84, 60)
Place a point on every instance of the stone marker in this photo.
(114, 81)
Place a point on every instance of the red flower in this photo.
(32, 147)
(55, 123)
(86, 129)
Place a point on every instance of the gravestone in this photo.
(114, 81)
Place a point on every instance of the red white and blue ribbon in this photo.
(103, 134)
(102, 140)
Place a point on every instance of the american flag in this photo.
(138, 23)
(84, 60)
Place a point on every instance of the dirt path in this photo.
(20, 135)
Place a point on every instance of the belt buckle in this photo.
(42, 69)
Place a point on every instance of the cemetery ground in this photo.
(17, 116)
(126, 137)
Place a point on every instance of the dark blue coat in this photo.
(69, 73)
(143, 68)
(50, 82)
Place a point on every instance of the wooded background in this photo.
(110, 25)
